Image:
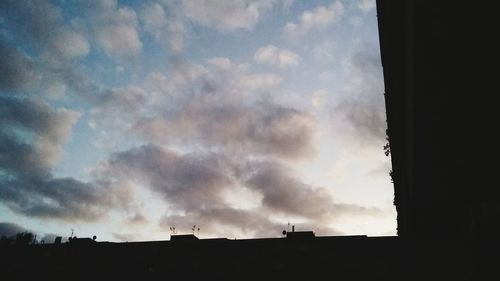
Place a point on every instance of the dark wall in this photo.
(438, 58)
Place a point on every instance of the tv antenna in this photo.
(172, 230)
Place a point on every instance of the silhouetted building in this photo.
(183, 238)
(81, 241)
(313, 258)
(300, 235)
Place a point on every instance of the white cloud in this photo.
(274, 56)
(120, 39)
(176, 32)
(71, 44)
(153, 18)
(167, 30)
(320, 17)
(221, 63)
(226, 15)
(319, 97)
(115, 30)
(366, 5)
(259, 81)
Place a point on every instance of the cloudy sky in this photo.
(126, 118)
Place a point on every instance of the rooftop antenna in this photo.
(194, 229)
(288, 230)
(72, 231)
(172, 229)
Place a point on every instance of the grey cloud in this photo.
(284, 193)
(287, 194)
(128, 103)
(40, 27)
(224, 222)
(9, 229)
(45, 129)
(60, 198)
(218, 108)
(20, 158)
(366, 116)
(186, 181)
(41, 24)
(260, 128)
(17, 71)
(195, 184)
(34, 21)
(54, 198)
(114, 28)
(362, 107)
(31, 136)
(37, 115)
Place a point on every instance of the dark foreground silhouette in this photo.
(187, 258)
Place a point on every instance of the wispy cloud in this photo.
(274, 56)
(361, 110)
(114, 28)
(194, 185)
(169, 29)
(320, 17)
(40, 26)
(226, 15)
(31, 138)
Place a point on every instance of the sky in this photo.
(223, 118)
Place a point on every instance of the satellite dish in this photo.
(284, 232)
